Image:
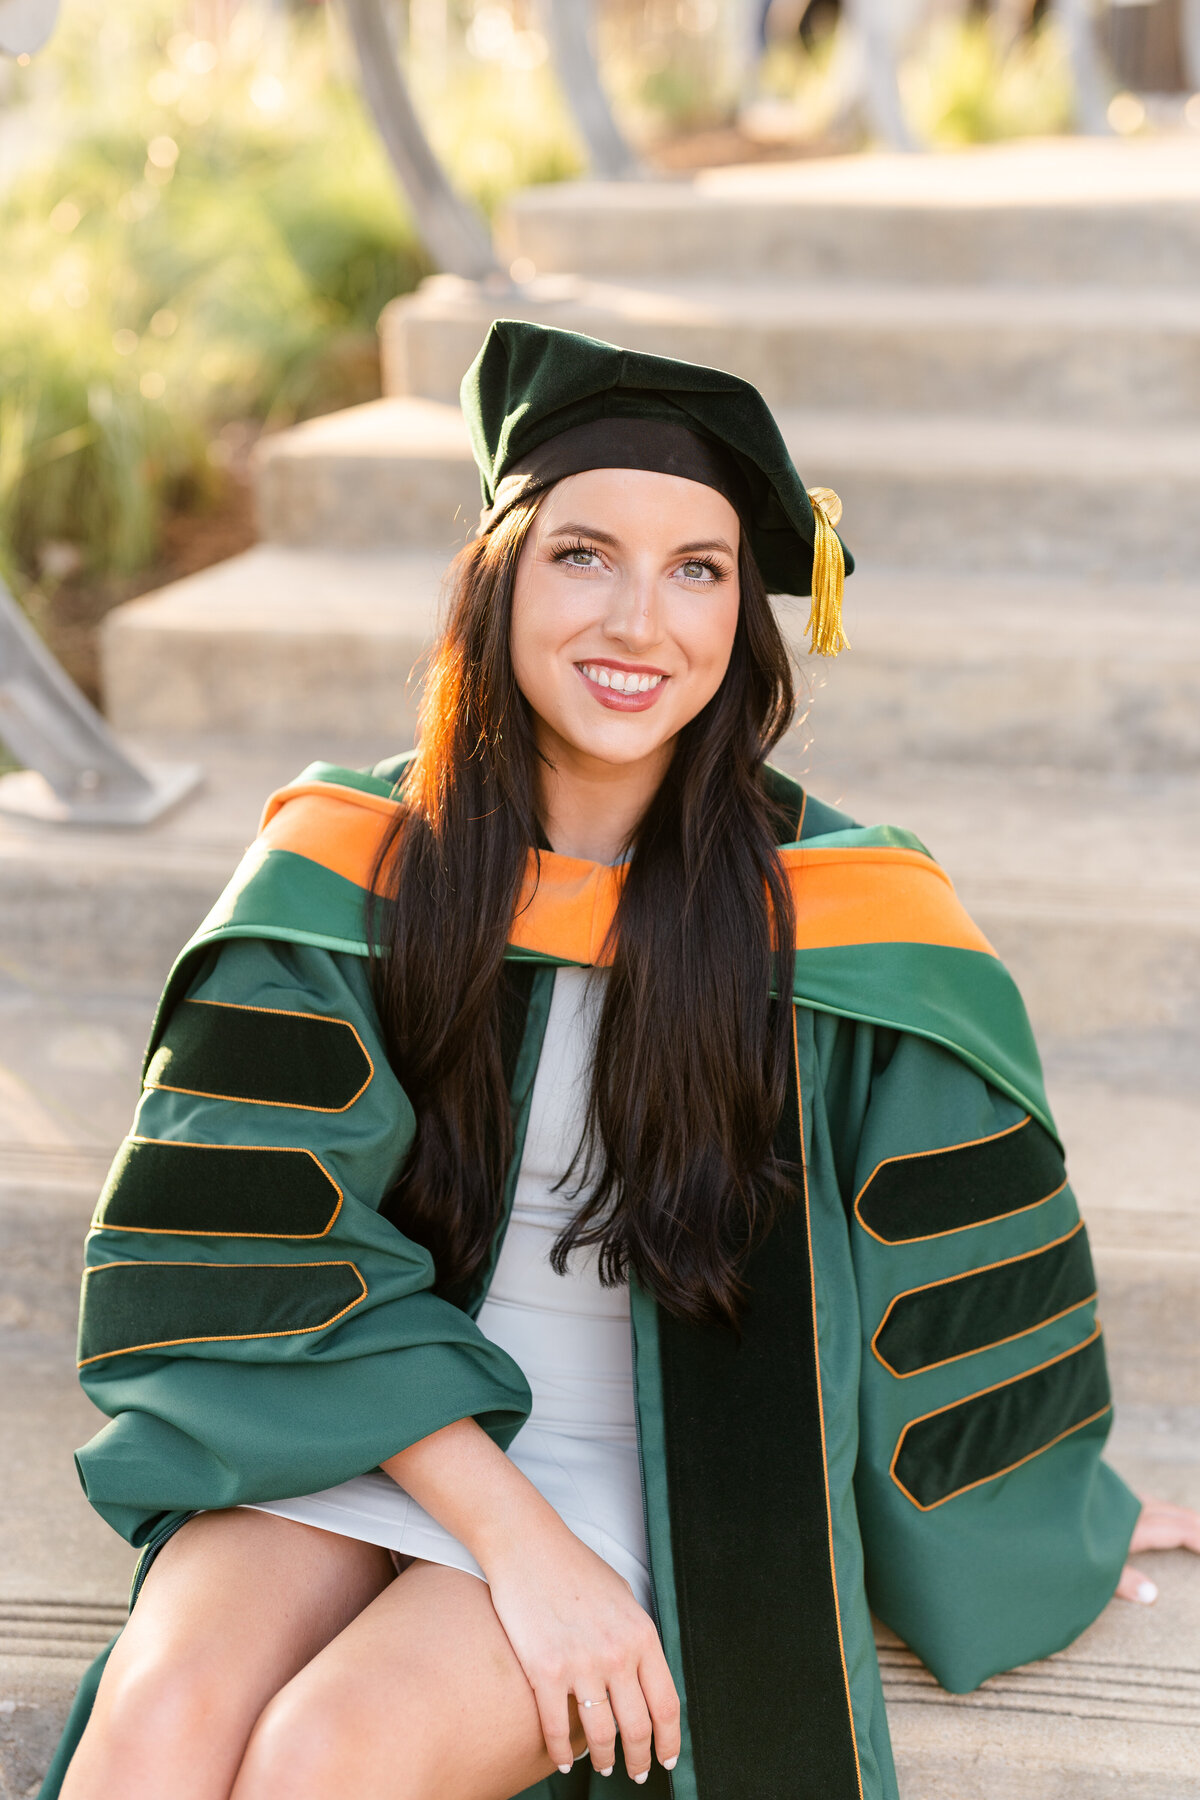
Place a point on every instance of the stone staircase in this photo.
(995, 360)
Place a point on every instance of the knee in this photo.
(315, 1739)
(152, 1720)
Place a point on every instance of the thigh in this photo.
(233, 1605)
(421, 1697)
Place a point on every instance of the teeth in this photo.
(620, 680)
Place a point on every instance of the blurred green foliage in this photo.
(969, 87)
(203, 234)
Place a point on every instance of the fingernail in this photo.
(640, 1778)
(607, 1771)
(670, 1762)
(565, 1768)
(1147, 1593)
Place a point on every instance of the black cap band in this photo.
(657, 445)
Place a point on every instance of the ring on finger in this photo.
(601, 1702)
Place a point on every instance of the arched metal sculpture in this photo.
(76, 772)
(453, 232)
(26, 25)
(1091, 79)
(568, 26)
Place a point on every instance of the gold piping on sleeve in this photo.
(944, 1150)
(281, 1012)
(1021, 1460)
(227, 1337)
(812, 1283)
(99, 1224)
(966, 1275)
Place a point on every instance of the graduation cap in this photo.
(541, 404)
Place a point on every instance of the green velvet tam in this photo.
(530, 383)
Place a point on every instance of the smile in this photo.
(622, 690)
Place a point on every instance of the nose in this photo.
(634, 616)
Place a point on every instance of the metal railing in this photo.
(76, 771)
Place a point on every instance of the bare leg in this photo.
(421, 1697)
(233, 1606)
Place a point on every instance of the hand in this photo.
(1160, 1526)
(577, 1629)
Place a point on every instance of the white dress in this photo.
(570, 1336)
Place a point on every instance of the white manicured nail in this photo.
(607, 1771)
(1147, 1593)
(670, 1762)
(640, 1778)
(565, 1768)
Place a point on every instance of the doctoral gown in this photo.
(912, 1423)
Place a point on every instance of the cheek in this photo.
(708, 636)
(540, 626)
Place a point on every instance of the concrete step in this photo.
(968, 494)
(1104, 354)
(1026, 672)
(275, 643)
(1070, 210)
(387, 474)
(1114, 1717)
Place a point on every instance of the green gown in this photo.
(912, 1423)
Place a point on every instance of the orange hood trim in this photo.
(844, 895)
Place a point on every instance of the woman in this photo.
(535, 1307)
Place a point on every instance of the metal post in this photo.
(1076, 19)
(455, 235)
(568, 28)
(26, 25)
(864, 71)
(1190, 27)
(76, 772)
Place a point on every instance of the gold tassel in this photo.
(828, 577)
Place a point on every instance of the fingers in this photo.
(1133, 1585)
(633, 1718)
(599, 1723)
(556, 1723)
(1162, 1526)
(662, 1701)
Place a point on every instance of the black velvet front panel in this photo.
(749, 1512)
(923, 1196)
(268, 1058)
(219, 1189)
(137, 1306)
(991, 1432)
(947, 1319)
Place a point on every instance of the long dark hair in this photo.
(690, 1060)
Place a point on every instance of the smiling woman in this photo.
(594, 1227)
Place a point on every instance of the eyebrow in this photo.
(570, 529)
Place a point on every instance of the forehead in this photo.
(640, 504)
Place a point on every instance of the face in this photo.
(624, 611)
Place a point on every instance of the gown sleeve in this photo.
(993, 1532)
(251, 1324)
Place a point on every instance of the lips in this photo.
(622, 688)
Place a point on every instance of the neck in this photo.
(591, 809)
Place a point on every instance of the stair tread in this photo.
(775, 302)
(1089, 173)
